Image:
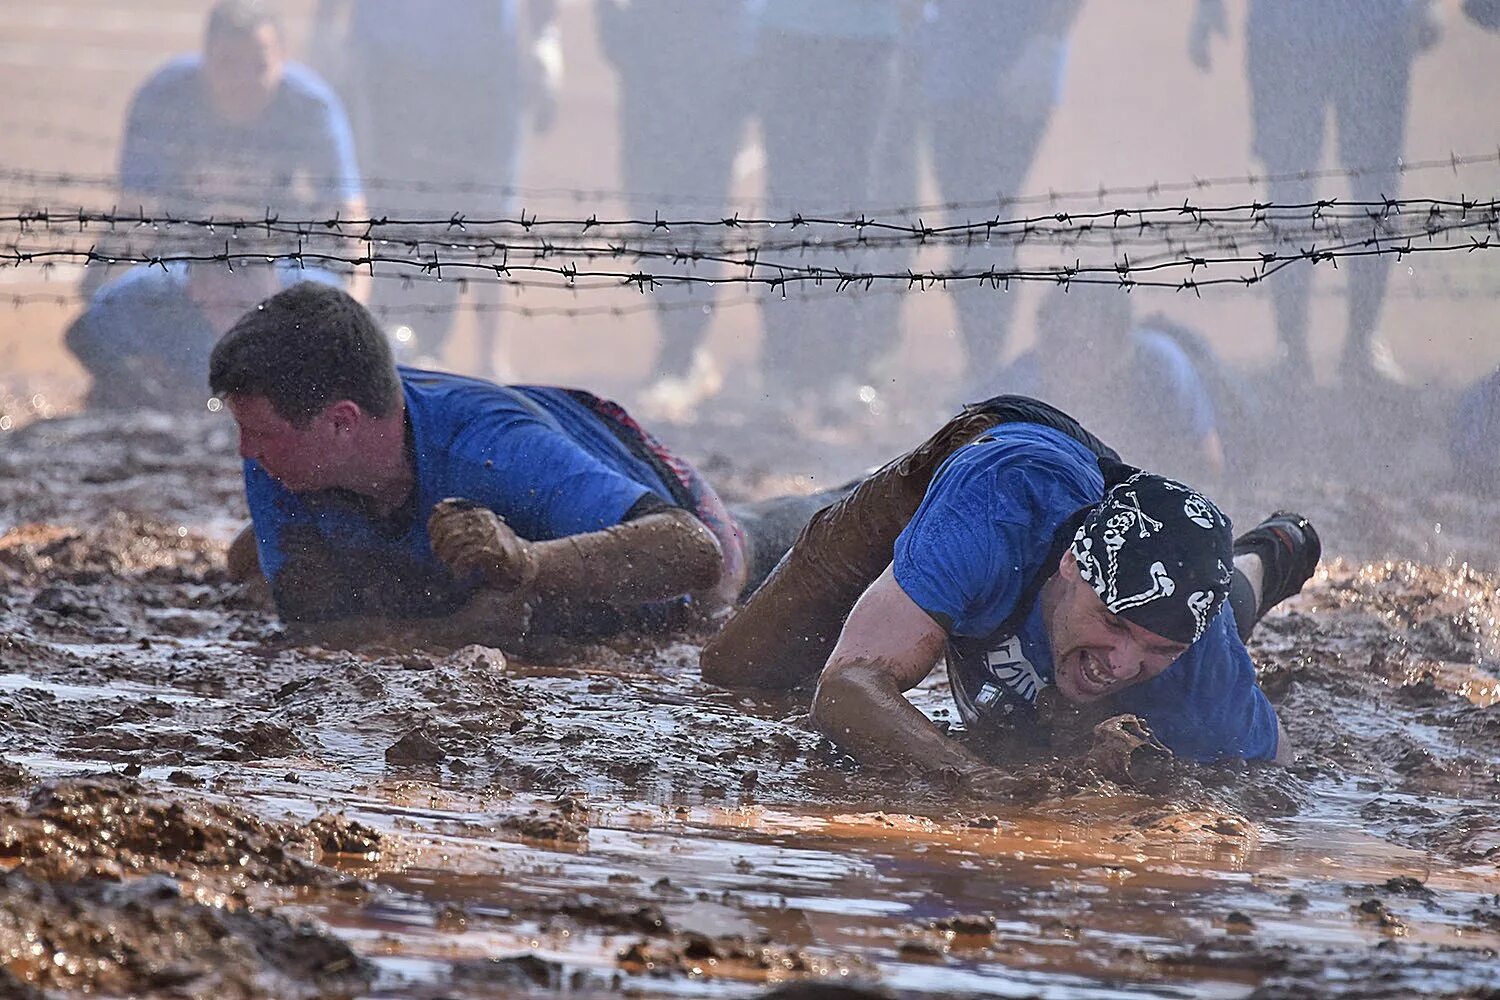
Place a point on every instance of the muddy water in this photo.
(557, 818)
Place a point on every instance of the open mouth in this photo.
(1094, 673)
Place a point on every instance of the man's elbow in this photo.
(840, 690)
(695, 553)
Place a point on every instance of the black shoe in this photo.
(1289, 549)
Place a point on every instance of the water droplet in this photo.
(215, 404)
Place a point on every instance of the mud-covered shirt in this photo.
(984, 531)
(535, 455)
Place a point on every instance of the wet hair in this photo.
(303, 349)
(238, 19)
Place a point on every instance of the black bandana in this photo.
(1158, 554)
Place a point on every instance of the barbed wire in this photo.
(457, 230)
(1264, 235)
(1121, 274)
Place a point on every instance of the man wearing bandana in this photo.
(1017, 545)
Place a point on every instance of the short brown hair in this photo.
(305, 348)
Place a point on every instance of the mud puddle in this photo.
(578, 819)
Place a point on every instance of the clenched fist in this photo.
(469, 538)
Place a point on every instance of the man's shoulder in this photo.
(450, 407)
(178, 77)
(1029, 451)
(1024, 478)
(302, 87)
(140, 287)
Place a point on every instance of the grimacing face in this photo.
(304, 459)
(1096, 653)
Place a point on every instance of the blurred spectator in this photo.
(682, 67)
(144, 337)
(238, 127)
(827, 72)
(439, 98)
(1154, 387)
(977, 82)
(1474, 441)
(992, 73)
(232, 132)
(1301, 59)
(1485, 13)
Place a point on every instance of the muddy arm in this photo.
(650, 558)
(888, 646)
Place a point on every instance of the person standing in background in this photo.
(1302, 58)
(992, 74)
(683, 107)
(439, 103)
(827, 80)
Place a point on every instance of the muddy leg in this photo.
(1271, 563)
(784, 633)
(772, 526)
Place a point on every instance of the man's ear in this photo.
(1067, 566)
(345, 414)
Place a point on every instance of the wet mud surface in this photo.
(191, 806)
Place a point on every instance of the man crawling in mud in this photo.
(1015, 543)
(450, 508)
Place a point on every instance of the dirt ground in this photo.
(197, 808)
(192, 807)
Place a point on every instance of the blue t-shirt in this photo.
(1163, 373)
(1474, 442)
(537, 456)
(984, 531)
(147, 314)
(296, 158)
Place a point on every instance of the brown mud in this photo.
(194, 807)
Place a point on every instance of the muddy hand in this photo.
(469, 538)
(1125, 751)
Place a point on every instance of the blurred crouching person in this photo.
(145, 336)
(1155, 386)
(1474, 438)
